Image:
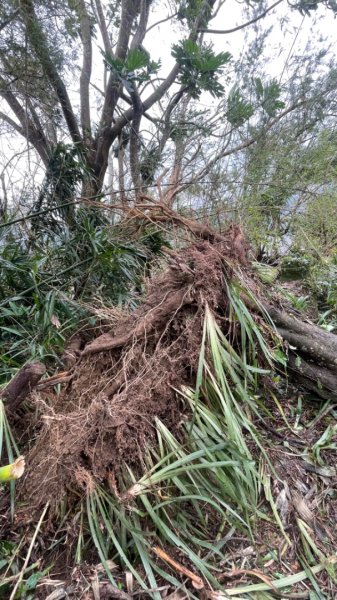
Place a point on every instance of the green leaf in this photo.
(200, 67)
(238, 109)
(32, 581)
(298, 361)
(136, 59)
(258, 87)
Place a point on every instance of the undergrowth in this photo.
(203, 486)
(50, 279)
(199, 491)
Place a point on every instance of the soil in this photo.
(127, 377)
(104, 416)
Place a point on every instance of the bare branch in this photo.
(141, 29)
(12, 123)
(102, 27)
(251, 22)
(26, 128)
(9, 19)
(249, 142)
(161, 21)
(167, 119)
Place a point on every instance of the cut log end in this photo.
(22, 384)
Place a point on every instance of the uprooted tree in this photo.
(155, 399)
(144, 402)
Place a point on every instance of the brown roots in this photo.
(124, 379)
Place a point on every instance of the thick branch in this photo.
(310, 339)
(22, 384)
(315, 348)
(134, 139)
(320, 380)
(312, 354)
(141, 29)
(113, 91)
(26, 128)
(102, 27)
(12, 123)
(39, 43)
(129, 12)
(111, 133)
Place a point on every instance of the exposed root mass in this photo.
(126, 378)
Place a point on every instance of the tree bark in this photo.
(321, 381)
(312, 354)
(39, 43)
(85, 26)
(22, 384)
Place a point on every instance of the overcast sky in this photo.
(289, 37)
(292, 33)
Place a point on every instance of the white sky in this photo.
(287, 39)
(292, 35)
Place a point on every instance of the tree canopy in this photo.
(78, 80)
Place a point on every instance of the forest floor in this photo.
(169, 460)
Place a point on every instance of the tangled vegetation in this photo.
(168, 300)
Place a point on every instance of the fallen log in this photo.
(319, 380)
(313, 340)
(312, 353)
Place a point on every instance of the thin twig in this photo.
(243, 25)
(30, 549)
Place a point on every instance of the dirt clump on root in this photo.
(126, 378)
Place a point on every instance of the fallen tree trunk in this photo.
(313, 340)
(319, 380)
(312, 353)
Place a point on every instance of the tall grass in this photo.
(201, 484)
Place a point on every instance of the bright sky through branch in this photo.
(288, 37)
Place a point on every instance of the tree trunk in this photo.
(312, 354)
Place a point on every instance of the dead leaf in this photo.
(55, 321)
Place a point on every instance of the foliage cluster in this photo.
(51, 278)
